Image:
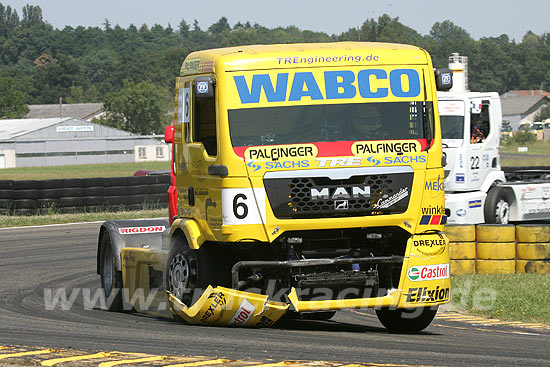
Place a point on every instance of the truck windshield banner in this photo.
(320, 86)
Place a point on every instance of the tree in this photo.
(137, 108)
(543, 114)
(12, 101)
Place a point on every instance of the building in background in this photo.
(84, 111)
(73, 141)
(521, 105)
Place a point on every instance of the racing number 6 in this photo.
(240, 209)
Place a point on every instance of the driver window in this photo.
(479, 124)
(204, 121)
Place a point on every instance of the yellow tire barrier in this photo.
(496, 250)
(460, 232)
(532, 266)
(496, 266)
(533, 233)
(462, 250)
(461, 267)
(495, 233)
(533, 251)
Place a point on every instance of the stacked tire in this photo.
(462, 248)
(533, 248)
(496, 249)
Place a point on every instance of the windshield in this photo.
(329, 123)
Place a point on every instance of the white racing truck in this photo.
(477, 189)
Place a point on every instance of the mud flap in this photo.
(229, 307)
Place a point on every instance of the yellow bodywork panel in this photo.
(229, 307)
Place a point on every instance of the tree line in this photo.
(119, 66)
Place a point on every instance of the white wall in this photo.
(152, 153)
(8, 160)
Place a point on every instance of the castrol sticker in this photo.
(428, 272)
(140, 230)
(243, 314)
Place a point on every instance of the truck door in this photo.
(199, 192)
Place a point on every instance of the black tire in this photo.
(497, 206)
(6, 203)
(28, 194)
(115, 191)
(6, 184)
(25, 204)
(189, 272)
(406, 320)
(111, 279)
(7, 194)
(93, 191)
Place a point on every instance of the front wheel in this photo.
(406, 320)
(497, 206)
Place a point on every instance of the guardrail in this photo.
(28, 197)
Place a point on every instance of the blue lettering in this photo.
(340, 89)
(297, 90)
(259, 82)
(268, 165)
(397, 86)
(405, 159)
(363, 79)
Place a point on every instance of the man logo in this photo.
(341, 205)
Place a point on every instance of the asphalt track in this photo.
(33, 260)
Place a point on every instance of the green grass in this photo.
(80, 171)
(508, 297)
(35, 220)
(541, 147)
(524, 162)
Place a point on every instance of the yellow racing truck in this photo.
(308, 179)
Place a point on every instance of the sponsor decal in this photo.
(196, 66)
(218, 299)
(202, 87)
(264, 322)
(474, 204)
(184, 212)
(460, 161)
(256, 165)
(369, 147)
(460, 178)
(430, 247)
(428, 272)
(461, 212)
(243, 314)
(427, 295)
(406, 159)
(324, 59)
(338, 84)
(334, 193)
(436, 185)
(398, 196)
(339, 162)
(278, 152)
(438, 210)
(138, 230)
(375, 162)
(433, 219)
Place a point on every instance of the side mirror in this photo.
(169, 134)
(443, 79)
(204, 87)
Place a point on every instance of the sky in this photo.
(480, 18)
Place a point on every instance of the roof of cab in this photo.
(282, 56)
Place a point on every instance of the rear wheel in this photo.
(406, 320)
(111, 278)
(497, 206)
(189, 272)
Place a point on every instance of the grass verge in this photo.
(36, 220)
(508, 297)
(524, 162)
(81, 171)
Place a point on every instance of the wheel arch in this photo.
(191, 230)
